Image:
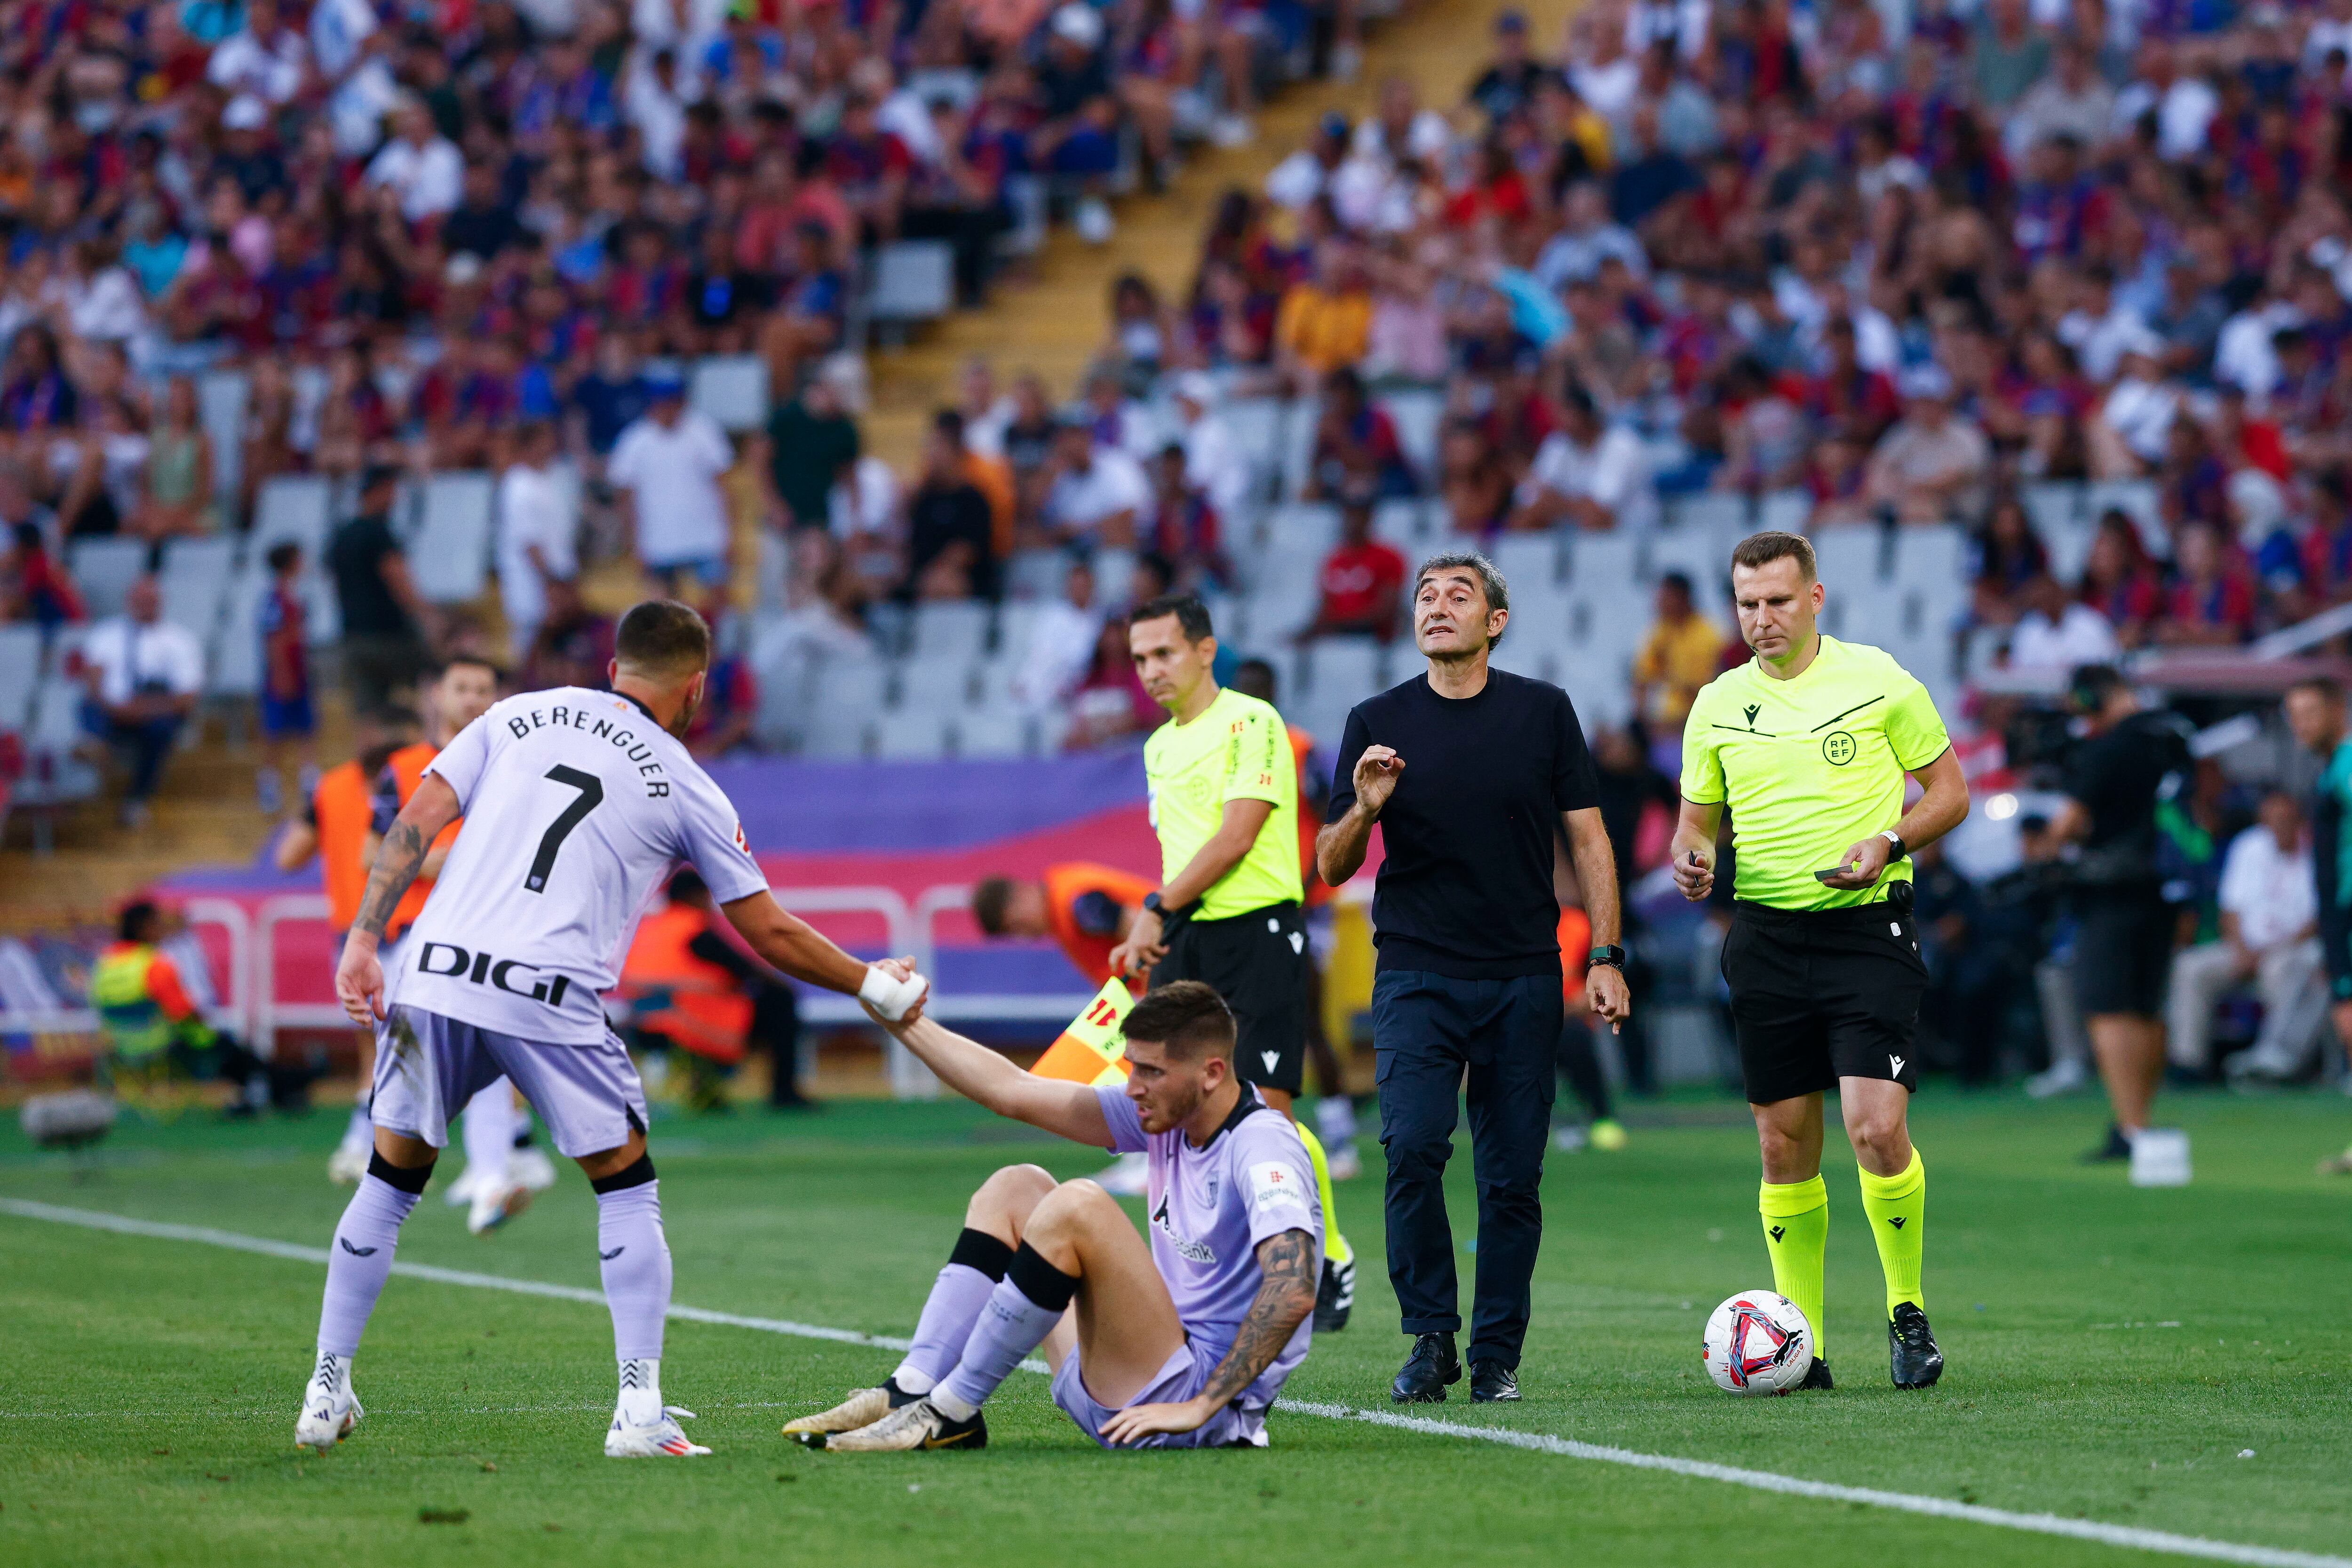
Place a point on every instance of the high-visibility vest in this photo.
(407, 765)
(342, 806)
(697, 1004)
(136, 993)
(1068, 883)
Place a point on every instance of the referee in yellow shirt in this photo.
(1808, 744)
(1224, 802)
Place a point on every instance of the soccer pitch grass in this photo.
(2110, 1353)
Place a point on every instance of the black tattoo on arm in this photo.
(397, 861)
(1285, 1297)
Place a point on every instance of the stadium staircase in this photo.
(1049, 317)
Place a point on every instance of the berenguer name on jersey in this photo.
(625, 740)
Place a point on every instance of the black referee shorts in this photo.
(1821, 994)
(2123, 951)
(1258, 963)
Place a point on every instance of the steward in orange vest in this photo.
(1084, 907)
(696, 991)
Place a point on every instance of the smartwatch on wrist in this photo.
(1896, 849)
(1170, 918)
(1612, 955)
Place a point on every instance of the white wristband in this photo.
(889, 996)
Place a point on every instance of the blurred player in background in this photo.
(1182, 1342)
(504, 1169)
(337, 827)
(1578, 1056)
(1229, 911)
(2315, 712)
(579, 803)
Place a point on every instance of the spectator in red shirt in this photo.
(2120, 582)
(1362, 580)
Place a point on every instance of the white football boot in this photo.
(493, 1206)
(330, 1408)
(628, 1440)
(532, 1167)
(462, 1192)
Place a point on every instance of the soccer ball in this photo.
(1758, 1342)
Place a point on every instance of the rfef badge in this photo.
(1093, 1049)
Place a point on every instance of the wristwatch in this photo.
(1169, 916)
(1612, 955)
(1899, 849)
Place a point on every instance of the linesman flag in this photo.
(1093, 1049)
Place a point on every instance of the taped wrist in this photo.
(888, 996)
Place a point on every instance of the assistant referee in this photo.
(1808, 744)
(1224, 801)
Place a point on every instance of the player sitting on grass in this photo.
(1180, 1344)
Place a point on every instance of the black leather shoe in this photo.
(1818, 1375)
(1492, 1383)
(1911, 1352)
(1431, 1365)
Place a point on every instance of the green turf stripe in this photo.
(2124, 1536)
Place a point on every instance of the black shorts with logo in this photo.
(1821, 994)
(1258, 963)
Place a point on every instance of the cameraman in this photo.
(2127, 763)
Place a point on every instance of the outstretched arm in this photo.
(982, 1075)
(359, 978)
(792, 945)
(1285, 1296)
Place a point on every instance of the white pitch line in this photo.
(2129, 1537)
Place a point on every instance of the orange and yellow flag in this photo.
(1093, 1049)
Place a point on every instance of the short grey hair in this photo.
(1490, 581)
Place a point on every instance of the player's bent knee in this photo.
(1004, 1201)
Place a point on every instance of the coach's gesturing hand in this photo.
(1377, 771)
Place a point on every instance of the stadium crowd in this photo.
(1834, 269)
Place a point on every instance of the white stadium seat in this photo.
(450, 557)
(732, 389)
(104, 569)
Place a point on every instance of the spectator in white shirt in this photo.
(2270, 909)
(2058, 631)
(1060, 645)
(1586, 473)
(1586, 239)
(420, 163)
(264, 57)
(667, 466)
(143, 674)
(1094, 493)
(1213, 463)
(538, 533)
(2100, 327)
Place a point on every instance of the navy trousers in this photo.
(1430, 1033)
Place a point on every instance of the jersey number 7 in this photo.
(592, 795)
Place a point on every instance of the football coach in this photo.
(1470, 771)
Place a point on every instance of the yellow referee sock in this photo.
(1897, 1207)
(1335, 1246)
(1797, 1234)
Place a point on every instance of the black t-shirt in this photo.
(1466, 887)
(2118, 778)
(356, 555)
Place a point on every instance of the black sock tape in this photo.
(635, 1175)
(1039, 1280)
(409, 1179)
(978, 1249)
